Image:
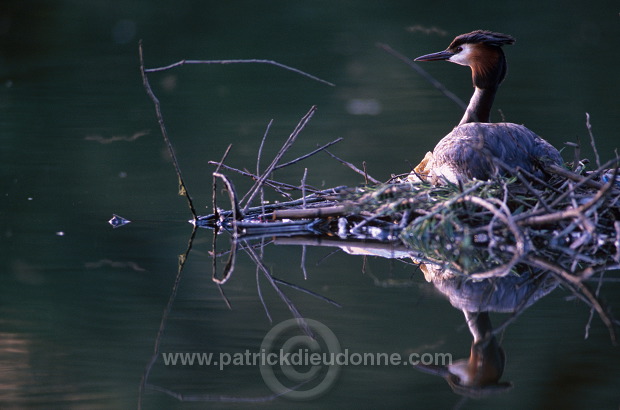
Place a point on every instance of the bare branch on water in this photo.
(160, 119)
(164, 318)
(238, 61)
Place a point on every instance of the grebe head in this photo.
(481, 51)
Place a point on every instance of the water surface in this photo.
(82, 303)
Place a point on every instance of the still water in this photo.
(81, 303)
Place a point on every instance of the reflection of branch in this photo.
(115, 138)
(296, 314)
(576, 283)
(164, 318)
(307, 291)
(230, 264)
(218, 397)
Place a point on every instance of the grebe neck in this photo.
(479, 108)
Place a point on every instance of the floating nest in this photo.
(569, 223)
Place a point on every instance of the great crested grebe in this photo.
(476, 148)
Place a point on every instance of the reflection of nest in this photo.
(508, 294)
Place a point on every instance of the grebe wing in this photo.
(472, 150)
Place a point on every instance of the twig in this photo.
(270, 182)
(303, 187)
(160, 119)
(232, 196)
(617, 241)
(589, 127)
(237, 215)
(353, 167)
(262, 210)
(258, 156)
(506, 218)
(288, 143)
(260, 147)
(531, 190)
(321, 148)
(570, 213)
(587, 181)
(250, 61)
(214, 183)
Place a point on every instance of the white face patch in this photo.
(463, 57)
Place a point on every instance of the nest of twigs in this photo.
(569, 223)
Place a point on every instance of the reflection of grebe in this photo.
(480, 374)
(470, 149)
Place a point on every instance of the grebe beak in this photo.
(442, 55)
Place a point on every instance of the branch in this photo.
(354, 168)
(160, 119)
(287, 144)
(251, 61)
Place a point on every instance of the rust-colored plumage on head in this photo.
(488, 63)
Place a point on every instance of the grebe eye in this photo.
(459, 49)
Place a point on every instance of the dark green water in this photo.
(81, 303)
